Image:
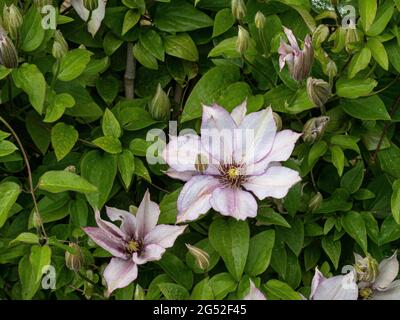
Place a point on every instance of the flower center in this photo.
(133, 246)
(232, 175)
(366, 293)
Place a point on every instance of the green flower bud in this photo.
(351, 38)
(139, 293)
(238, 9)
(12, 20)
(314, 129)
(318, 91)
(202, 257)
(315, 201)
(259, 20)
(91, 4)
(242, 42)
(278, 121)
(320, 35)
(60, 45)
(367, 268)
(8, 53)
(160, 106)
(74, 261)
(331, 69)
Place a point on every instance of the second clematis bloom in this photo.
(235, 158)
(299, 61)
(137, 241)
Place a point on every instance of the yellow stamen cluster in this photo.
(133, 246)
(366, 293)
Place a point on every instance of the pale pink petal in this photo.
(120, 273)
(108, 227)
(146, 216)
(254, 293)
(181, 175)
(337, 288)
(391, 293)
(164, 235)
(128, 225)
(151, 252)
(236, 203)
(388, 271)
(292, 39)
(96, 17)
(194, 199)
(275, 183)
(239, 112)
(106, 241)
(316, 281)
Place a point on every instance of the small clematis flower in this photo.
(94, 17)
(383, 284)
(299, 61)
(343, 287)
(254, 293)
(137, 241)
(236, 157)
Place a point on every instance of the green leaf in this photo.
(60, 181)
(224, 20)
(393, 51)
(6, 148)
(145, 57)
(30, 79)
(385, 13)
(110, 125)
(230, 238)
(355, 88)
(181, 46)
(4, 72)
(367, 9)
(378, 52)
(354, 225)
(63, 139)
(29, 285)
(395, 201)
(370, 108)
(359, 61)
(260, 251)
(293, 237)
(141, 170)
(126, 167)
(109, 144)
(332, 249)
(152, 42)
(73, 64)
(131, 18)
(180, 16)
(26, 237)
(108, 88)
(40, 257)
(100, 170)
(338, 159)
(278, 290)
(346, 142)
(172, 291)
(9, 192)
(177, 270)
(208, 89)
(202, 291)
(32, 33)
(222, 284)
(352, 179)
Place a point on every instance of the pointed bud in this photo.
(238, 9)
(278, 121)
(8, 53)
(74, 261)
(315, 201)
(139, 293)
(367, 268)
(160, 106)
(259, 20)
(12, 20)
(60, 45)
(314, 129)
(351, 38)
(91, 4)
(243, 39)
(318, 91)
(320, 35)
(331, 69)
(202, 257)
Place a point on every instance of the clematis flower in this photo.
(299, 61)
(383, 284)
(95, 17)
(343, 287)
(254, 293)
(236, 157)
(138, 240)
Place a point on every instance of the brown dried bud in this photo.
(8, 53)
(74, 261)
(318, 91)
(314, 129)
(315, 201)
(202, 257)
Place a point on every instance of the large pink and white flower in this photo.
(236, 157)
(138, 240)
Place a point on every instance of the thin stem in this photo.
(130, 72)
(385, 88)
(80, 274)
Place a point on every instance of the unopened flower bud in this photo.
(315, 201)
(314, 129)
(238, 9)
(12, 20)
(367, 268)
(259, 20)
(320, 35)
(91, 4)
(318, 91)
(8, 53)
(331, 69)
(74, 261)
(351, 38)
(70, 169)
(242, 42)
(278, 121)
(202, 257)
(139, 293)
(160, 106)
(60, 45)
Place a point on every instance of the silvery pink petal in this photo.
(254, 293)
(388, 271)
(151, 252)
(112, 230)
(275, 183)
(107, 242)
(180, 175)
(281, 150)
(236, 203)
(257, 134)
(285, 55)
(119, 273)
(391, 293)
(96, 17)
(308, 56)
(164, 235)
(217, 133)
(337, 288)
(316, 281)
(128, 225)
(194, 199)
(146, 216)
(239, 112)
(292, 39)
(181, 152)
